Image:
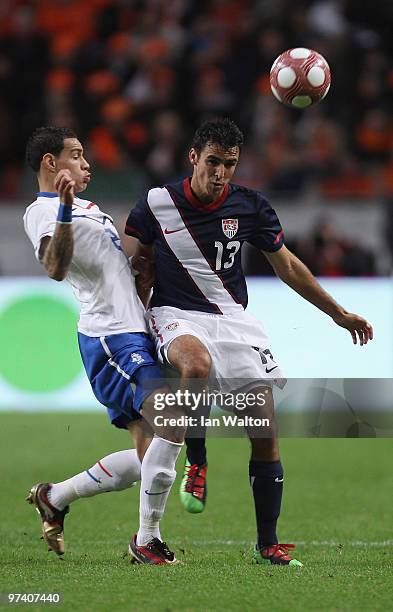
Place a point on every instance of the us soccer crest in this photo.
(230, 227)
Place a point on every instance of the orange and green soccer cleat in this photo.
(276, 554)
(193, 487)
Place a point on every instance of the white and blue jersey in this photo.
(99, 273)
(113, 336)
(198, 247)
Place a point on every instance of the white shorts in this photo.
(238, 345)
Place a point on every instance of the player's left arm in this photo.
(296, 275)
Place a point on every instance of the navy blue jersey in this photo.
(198, 247)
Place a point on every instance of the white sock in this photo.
(158, 474)
(114, 472)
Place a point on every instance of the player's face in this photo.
(213, 169)
(71, 158)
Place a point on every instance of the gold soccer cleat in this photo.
(52, 519)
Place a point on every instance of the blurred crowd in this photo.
(325, 252)
(135, 77)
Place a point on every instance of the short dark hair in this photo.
(48, 139)
(221, 130)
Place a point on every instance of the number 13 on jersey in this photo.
(226, 254)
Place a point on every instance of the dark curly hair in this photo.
(44, 140)
(222, 131)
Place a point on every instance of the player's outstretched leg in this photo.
(193, 486)
(114, 472)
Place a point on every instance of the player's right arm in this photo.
(140, 225)
(143, 264)
(296, 275)
(55, 252)
(269, 237)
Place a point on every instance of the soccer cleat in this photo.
(52, 519)
(276, 554)
(193, 487)
(153, 553)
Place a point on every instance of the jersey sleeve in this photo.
(39, 221)
(140, 222)
(268, 234)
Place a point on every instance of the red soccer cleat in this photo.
(153, 553)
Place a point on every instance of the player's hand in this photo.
(358, 327)
(146, 271)
(64, 186)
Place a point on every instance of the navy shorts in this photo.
(112, 363)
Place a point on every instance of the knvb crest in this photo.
(137, 358)
(230, 227)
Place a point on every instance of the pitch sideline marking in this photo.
(330, 543)
(354, 543)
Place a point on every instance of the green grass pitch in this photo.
(337, 509)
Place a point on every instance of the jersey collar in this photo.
(47, 194)
(197, 203)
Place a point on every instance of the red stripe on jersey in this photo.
(90, 205)
(155, 329)
(279, 235)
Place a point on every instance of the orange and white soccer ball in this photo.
(300, 77)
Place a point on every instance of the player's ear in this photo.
(49, 162)
(193, 156)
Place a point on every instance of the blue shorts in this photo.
(112, 363)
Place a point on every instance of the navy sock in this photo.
(266, 479)
(196, 450)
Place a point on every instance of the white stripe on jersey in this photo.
(183, 245)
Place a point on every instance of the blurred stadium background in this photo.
(134, 79)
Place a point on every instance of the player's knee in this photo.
(198, 367)
(174, 431)
(264, 449)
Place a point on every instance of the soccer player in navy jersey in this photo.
(76, 241)
(193, 231)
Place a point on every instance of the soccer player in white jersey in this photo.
(76, 241)
(193, 230)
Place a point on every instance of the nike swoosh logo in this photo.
(167, 231)
(279, 479)
(271, 369)
(159, 493)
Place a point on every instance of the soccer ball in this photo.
(300, 77)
